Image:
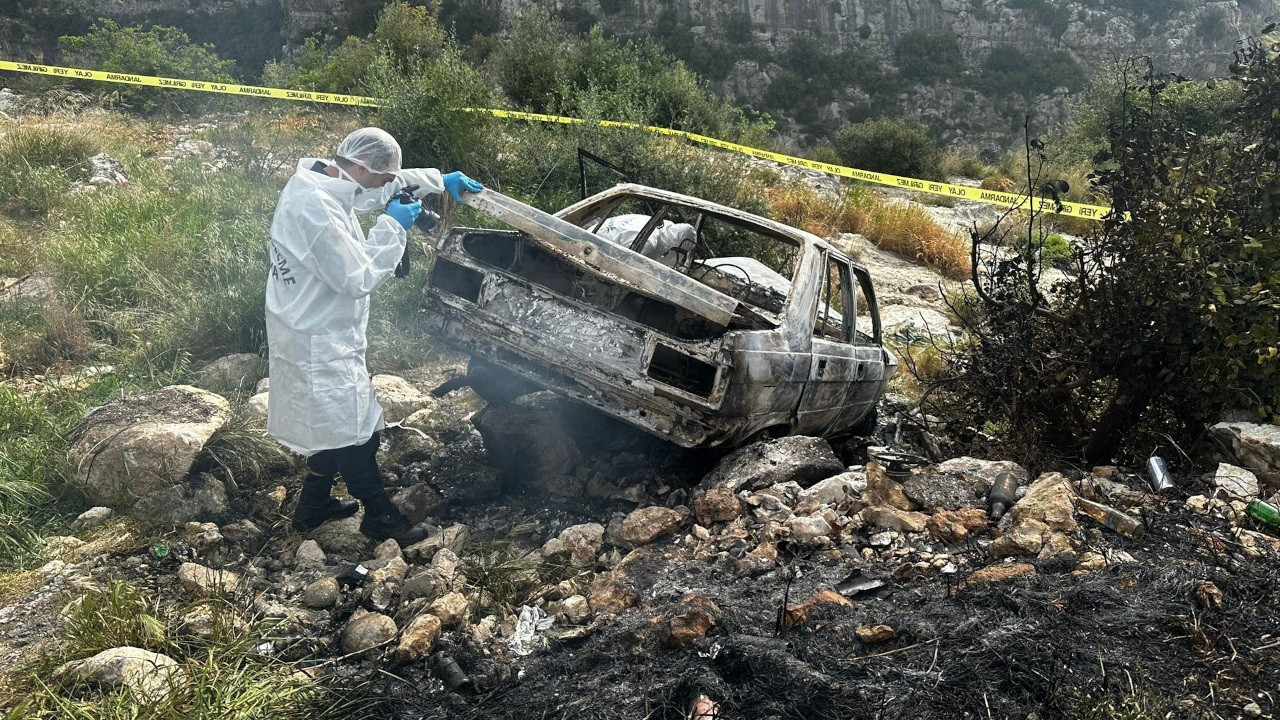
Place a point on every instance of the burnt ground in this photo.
(1143, 636)
(1183, 621)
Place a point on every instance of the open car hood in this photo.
(598, 256)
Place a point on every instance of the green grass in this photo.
(32, 452)
(225, 676)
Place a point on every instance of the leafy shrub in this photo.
(1175, 319)
(1056, 251)
(889, 145)
(405, 35)
(1009, 70)
(928, 55)
(158, 50)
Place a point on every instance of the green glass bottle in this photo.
(1265, 513)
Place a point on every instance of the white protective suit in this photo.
(322, 271)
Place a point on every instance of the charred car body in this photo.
(695, 322)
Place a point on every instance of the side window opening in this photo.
(837, 306)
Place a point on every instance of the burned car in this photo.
(695, 322)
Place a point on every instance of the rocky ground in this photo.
(581, 570)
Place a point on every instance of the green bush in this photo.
(405, 35)
(158, 50)
(1009, 70)
(890, 145)
(928, 55)
(1056, 251)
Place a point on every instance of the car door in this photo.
(833, 362)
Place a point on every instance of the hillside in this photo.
(971, 69)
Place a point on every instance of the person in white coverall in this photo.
(323, 268)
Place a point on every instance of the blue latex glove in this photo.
(404, 213)
(455, 181)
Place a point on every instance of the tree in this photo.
(1171, 316)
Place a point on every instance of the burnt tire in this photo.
(495, 385)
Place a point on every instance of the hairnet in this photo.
(373, 149)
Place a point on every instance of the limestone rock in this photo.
(957, 526)
(835, 490)
(409, 445)
(342, 536)
(397, 397)
(799, 459)
(578, 545)
(644, 525)
(257, 405)
(309, 556)
(1254, 447)
(418, 638)
(321, 594)
(453, 537)
(808, 529)
(368, 630)
(1235, 483)
(691, 624)
(1056, 545)
(531, 444)
(883, 490)
(148, 676)
(233, 372)
(201, 497)
(609, 595)
(1050, 499)
(573, 610)
(144, 445)
(983, 473)
(92, 518)
(889, 518)
(1026, 538)
(451, 608)
(425, 584)
(210, 621)
(202, 581)
(718, 504)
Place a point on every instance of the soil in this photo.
(1055, 644)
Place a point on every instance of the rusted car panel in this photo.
(649, 343)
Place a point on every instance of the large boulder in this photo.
(238, 372)
(1253, 447)
(143, 447)
(958, 483)
(530, 443)
(799, 459)
(398, 398)
(149, 677)
(1050, 500)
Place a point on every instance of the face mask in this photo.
(366, 199)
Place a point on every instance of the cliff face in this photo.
(812, 63)
(758, 52)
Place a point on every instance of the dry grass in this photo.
(902, 228)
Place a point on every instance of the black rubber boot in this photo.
(382, 520)
(316, 505)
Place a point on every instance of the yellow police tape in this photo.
(960, 192)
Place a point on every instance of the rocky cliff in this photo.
(971, 68)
